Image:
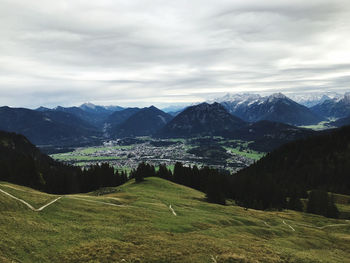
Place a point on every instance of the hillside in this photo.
(266, 136)
(23, 163)
(95, 228)
(318, 162)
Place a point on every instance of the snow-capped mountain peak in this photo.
(310, 99)
(235, 97)
(276, 96)
(347, 97)
(275, 107)
(88, 105)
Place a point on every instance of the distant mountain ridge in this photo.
(334, 108)
(174, 108)
(48, 127)
(310, 99)
(239, 116)
(90, 107)
(115, 121)
(91, 113)
(276, 107)
(307, 99)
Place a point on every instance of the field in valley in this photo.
(231, 155)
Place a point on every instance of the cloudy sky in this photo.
(144, 52)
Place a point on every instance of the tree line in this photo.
(207, 180)
(61, 178)
(260, 194)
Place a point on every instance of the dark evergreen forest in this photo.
(22, 163)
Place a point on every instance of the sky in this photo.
(143, 52)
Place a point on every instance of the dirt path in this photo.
(15, 188)
(214, 259)
(288, 225)
(50, 203)
(323, 227)
(317, 227)
(53, 201)
(94, 201)
(29, 205)
(266, 224)
(172, 210)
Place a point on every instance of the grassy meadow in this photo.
(134, 223)
(251, 154)
(323, 125)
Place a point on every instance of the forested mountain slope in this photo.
(318, 162)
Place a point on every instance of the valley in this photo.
(126, 154)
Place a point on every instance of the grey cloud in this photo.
(128, 52)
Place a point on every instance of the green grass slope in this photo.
(133, 223)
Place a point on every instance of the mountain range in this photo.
(310, 99)
(48, 127)
(334, 108)
(248, 116)
(90, 107)
(93, 114)
(276, 107)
